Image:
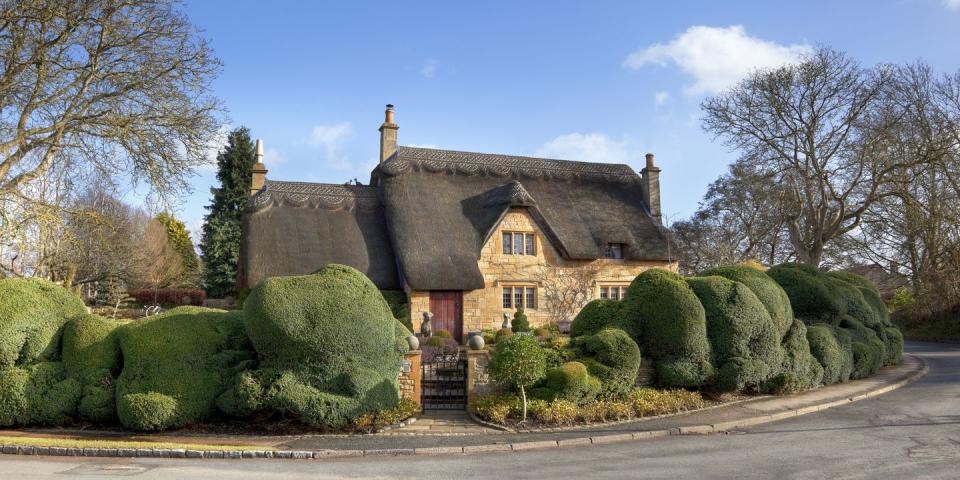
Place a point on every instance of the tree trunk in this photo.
(523, 395)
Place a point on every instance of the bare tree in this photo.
(818, 128)
(160, 263)
(565, 290)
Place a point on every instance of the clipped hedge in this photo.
(32, 312)
(744, 339)
(334, 340)
(399, 304)
(773, 297)
(611, 356)
(176, 364)
(595, 316)
(811, 293)
(91, 355)
(833, 352)
(571, 382)
(800, 370)
(38, 394)
(869, 350)
(663, 315)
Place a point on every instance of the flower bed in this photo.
(506, 410)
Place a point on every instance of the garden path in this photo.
(442, 422)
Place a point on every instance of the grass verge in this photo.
(87, 443)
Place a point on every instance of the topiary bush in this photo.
(520, 362)
(832, 351)
(869, 351)
(613, 357)
(32, 312)
(519, 322)
(894, 345)
(595, 316)
(334, 340)
(502, 334)
(811, 293)
(770, 294)
(744, 340)
(869, 291)
(91, 355)
(399, 305)
(800, 370)
(38, 394)
(180, 362)
(663, 315)
(571, 382)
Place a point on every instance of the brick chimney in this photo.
(650, 184)
(388, 135)
(259, 171)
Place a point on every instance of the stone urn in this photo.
(476, 342)
(506, 321)
(413, 342)
(425, 328)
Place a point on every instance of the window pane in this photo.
(518, 297)
(531, 297)
(506, 243)
(615, 291)
(617, 250)
(531, 245)
(518, 244)
(603, 292)
(506, 298)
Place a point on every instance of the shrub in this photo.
(399, 306)
(615, 360)
(770, 294)
(502, 334)
(246, 395)
(437, 341)
(496, 408)
(37, 395)
(520, 362)
(563, 412)
(442, 334)
(334, 337)
(13, 397)
(519, 322)
(894, 346)
(648, 401)
(744, 340)
(800, 369)
(831, 352)
(91, 355)
(870, 294)
(168, 297)
(541, 332)
(32, 312)
(570, 382)
(667, 321)
(903, 298)
(869, 351)
(186, 356)
(595, 316)
(811, 295)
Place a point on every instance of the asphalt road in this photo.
(913, 432)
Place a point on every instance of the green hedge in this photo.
(833, 352)
(91, 355)
(773, 297)
(595, 316)
(811, 293)
(869, 350)
(39, 394)
(744, 340)
(869, 291)
(800, 369)
(32, 312)
(667, 321)
(399, 304)
(188, 355)
(571, 382)
(611, 356)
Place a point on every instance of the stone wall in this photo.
(478, 374)
(409, 376)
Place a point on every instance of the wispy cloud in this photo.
(716, 57)
(586, 147)
(952, 4)
(429, 68)
(273, 157)
(660, 97)
(330, 138)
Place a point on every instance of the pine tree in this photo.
(220, 245)
(179, 238)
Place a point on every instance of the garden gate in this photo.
(444, 382)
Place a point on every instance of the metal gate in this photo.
(444, 383)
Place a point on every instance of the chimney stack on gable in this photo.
(259, 171)
(388, 135)
(650, 184)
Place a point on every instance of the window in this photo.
(520, 297)
(614, 250)
(613, 292)
(519, 243)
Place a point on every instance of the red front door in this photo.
(447, 309)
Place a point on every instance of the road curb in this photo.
(705, 429)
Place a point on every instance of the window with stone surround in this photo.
(613, 292)
(520, 296)
(519, 243)
(615, 251)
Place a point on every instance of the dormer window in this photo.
(519, 243)
(615, 250)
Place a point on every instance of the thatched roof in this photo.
(294, 228)
(428, 213)
(441, 207)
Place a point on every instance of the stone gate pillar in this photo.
(409, 377)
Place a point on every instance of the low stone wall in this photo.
(409, 376)
(478, 375)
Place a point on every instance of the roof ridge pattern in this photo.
(327, 196)
(454, 162)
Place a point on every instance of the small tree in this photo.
(521, 362)
(520, 323)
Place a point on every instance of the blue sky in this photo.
(594, 81)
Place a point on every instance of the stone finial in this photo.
(259, 171)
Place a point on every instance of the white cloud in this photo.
(952, 4)
(660, 97)
(273, 157)
(330, 138)
(586, 147)
(716, 57)
(429, 68)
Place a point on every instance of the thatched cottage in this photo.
(468, 236)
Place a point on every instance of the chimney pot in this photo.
(388, 114)
(649, 160)
(388, 135)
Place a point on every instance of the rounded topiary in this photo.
(595, 316)
(520, 362)
(502, 334)
(32, 312)
(894, 346)
(442, 334)
(519, 322)
(832, 352)
(869, 350)
(800, 369)
(616, 359)
(91, 355)
(741, 333)
(38, 394)
(148, 411)
(13, 397)
(187, 354)
(811, 293)
(663, 315)
(571, 382)
(774, 299)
